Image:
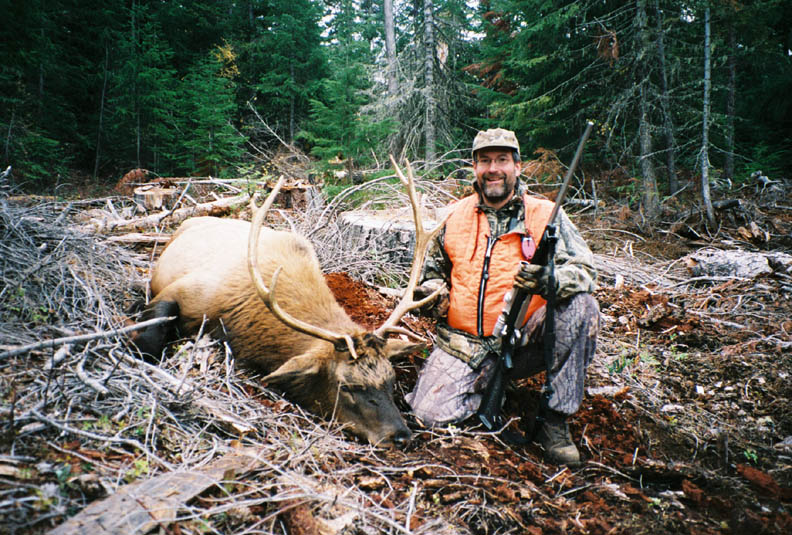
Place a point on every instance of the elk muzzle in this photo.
(373, 415)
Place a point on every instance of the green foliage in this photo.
(162, 85)
(144, 130)
(139, 468)
(208, 138)
(769, 159)
(751, 455)
(283, 63)
(338, 125)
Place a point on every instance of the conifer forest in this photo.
(121, 119)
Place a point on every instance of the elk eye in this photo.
(349, 389)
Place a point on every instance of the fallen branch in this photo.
(44, 344)
(136, 444)
(212, 407)
(723, 204)
(173, 216)
(137, 237)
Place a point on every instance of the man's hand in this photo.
(534, 279)
(438, 307)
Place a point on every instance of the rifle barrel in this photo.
(568, 177)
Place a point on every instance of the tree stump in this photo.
(389, 234)
(154, 197)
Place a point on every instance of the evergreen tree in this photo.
(143, 95)
(431, 85)
(208, 141)
(282, 61)
(339, 124)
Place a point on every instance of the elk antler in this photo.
(422, 242)
(268, 295)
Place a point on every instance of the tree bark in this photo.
(390, 47)
(651, 202)
(101, 112)
(668, 122)
(8, 134)
(135, 98)
(431, 104)
(705, 186)
(291, 105)
(731, 98)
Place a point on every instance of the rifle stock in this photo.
(507, 326)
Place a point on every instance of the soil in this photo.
(685, 427)
(637, 477)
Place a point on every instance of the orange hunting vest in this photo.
(466, 243)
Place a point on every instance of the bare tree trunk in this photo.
(705, 186)
(101, 112)
(668, 122)
(40, 107)
(291, 106)
(651, 202)
(390, 46)
(136, 104)
(8, 134)
(431, 104)
(731, 97)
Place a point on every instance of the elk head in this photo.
(352, 381)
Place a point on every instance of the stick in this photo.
(173, 216)
(83, 337)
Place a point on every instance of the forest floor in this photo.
(686, 425)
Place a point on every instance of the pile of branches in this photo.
(92, 437)
(55, 280)
(191, 439)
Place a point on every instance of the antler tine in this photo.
(422, 241)
(268, 295)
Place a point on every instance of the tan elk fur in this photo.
(203, 269)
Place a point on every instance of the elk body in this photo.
(294, 330)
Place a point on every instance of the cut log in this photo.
(141, 506)
(170, 217)
(736, 263)
(300, 196)
(148, 238)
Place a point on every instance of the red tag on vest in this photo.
(528, 247)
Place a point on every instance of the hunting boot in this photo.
(557, 442)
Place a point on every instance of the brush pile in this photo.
(685, 427)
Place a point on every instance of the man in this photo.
(478, 255)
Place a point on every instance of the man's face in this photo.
(496, 174)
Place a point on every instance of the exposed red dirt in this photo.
(633, 481)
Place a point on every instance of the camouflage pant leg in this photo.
(576, 326)
(446, 391)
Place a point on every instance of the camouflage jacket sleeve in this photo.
(437, 264)
(575, 271)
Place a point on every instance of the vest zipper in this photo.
(483, 285)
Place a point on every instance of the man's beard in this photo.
(496, 193)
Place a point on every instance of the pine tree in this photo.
(282, 62)
(339, 125)
(143, 96)
(209, 141)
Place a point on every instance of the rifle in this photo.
(514, 312)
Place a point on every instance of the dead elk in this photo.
(294, 330)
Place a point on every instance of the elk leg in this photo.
(151, 340)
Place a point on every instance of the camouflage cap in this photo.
(495, 137)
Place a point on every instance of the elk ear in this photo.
(296, 373)
(398, 348)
